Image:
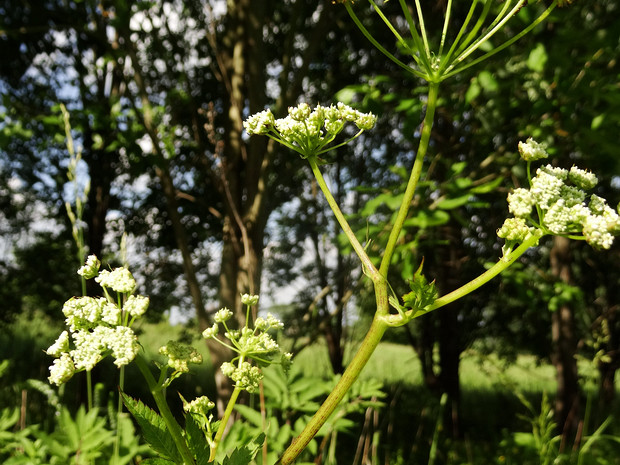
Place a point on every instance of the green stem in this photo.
(119, 411)
(369, 344)
(414, 177)
(369, 267)
(225, 418)
(500, 266)
(89, 391)
(171, 424)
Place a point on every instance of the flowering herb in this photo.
(98, 326)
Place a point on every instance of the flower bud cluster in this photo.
(249, 343)
(200, 405)
(97, 327)
(309, 131)
(180, 355)
(561, 203)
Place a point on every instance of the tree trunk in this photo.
(449, 356)
(564, 348)
(607, 367)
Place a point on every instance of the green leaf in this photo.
(250, 414)
(196, 440)
(473, 91)
(245, 454)
(487, 186)
(392, 201)
(422, 292)
(428, 219)
(537, 59)
(449, 204)
(153, 429)
(597, 121)
(488, 82)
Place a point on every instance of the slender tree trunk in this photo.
(608, 367)
(564, 348)
(449, 356)
(449, 333)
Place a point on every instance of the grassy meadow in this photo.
(495, 424)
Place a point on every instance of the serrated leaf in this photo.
(153, 429)
(422, 292)
(245, 454)
(250, 414)
(196, 440)
(156, 461)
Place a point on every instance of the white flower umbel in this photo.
(91, 268)
(136, 305)
(249, 343)
(200, 405)
(531, 150)
(98, 326)
(123, 343)
(222, 315)
(61, 370)
(119, 280)
(60, 346)
(559, 197)
(309, 132)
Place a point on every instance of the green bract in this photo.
(180, 355)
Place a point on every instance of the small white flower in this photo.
(245, 376)
(273, 322)
(211, 333)
(82, 312)
(546, 189)
(520, 202)
(582, 178)
(60, 346)
(308, 131)
(227, 369)
(366, 121)
(62, 370)
(91, 268)
(596, 232)
(250, 300)
(110, 313)
(531, 150)
(300, 112)
(136, 305)
(514, 229)
(222, 315)
(259, 123)
(119, 280)
(123, 343)
(88, 348)
(199, 405)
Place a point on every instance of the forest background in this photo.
(157, 92)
